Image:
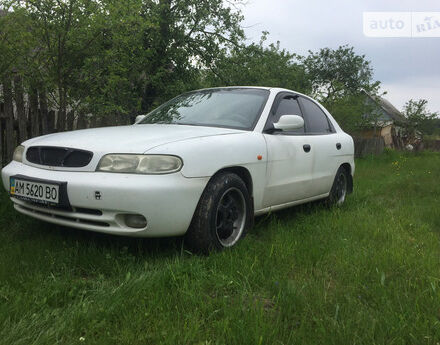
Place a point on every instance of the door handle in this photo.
(307, 147)
(338, 146)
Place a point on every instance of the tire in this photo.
(339, 190)
(223, 215)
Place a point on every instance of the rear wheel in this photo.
(339, 189)
(223, 215)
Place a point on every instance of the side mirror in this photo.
(139, 118)
(289, 122)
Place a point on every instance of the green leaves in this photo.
(184, 37)
(111, 60)
(114, 58)
(338, 73)
(259, 64)
(419, 120)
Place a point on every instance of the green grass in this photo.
(367, 273)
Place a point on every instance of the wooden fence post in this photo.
(33, 112)
(61, 115)
(21, 111)
(51, 121)
(82, 122)
(70, 120)
(9, 118)
(44, 112)
(1, 133)
(367, 146)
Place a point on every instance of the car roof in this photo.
(236, 87)
(273, 89)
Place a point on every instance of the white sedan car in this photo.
(202, 164)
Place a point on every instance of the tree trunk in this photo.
(33, 112)
(9, 117)
(21, 111)
(44, 112)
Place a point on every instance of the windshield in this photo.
(232, 108)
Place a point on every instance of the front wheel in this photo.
(223, 215)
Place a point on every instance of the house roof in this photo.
(386, 106)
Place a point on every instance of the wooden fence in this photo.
(12, 135)
(429, 144)
(368, 146)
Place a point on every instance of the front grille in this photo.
(58, 156)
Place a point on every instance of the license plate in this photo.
(45, 193)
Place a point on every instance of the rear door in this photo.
(290, 161)
(324, 143)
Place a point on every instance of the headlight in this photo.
(18, 154)
(140, 164)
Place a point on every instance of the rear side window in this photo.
(317, 121)
(288, 106)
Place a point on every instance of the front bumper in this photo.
(167, 202)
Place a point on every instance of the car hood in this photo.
(127, 139)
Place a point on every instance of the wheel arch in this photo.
(347, 168)
(246, 176)
(243, 173)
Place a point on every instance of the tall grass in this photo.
(366, 273)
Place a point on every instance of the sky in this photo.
(406, 67)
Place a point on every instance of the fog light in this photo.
(135, 221)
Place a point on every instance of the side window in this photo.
(288, 106)
(317, 121)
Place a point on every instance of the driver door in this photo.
(290, 158)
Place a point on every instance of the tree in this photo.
(112, 78)
(350, 112)
(419, 120)
(16, 42)
(256, 64)
(65, 33)
(335, 74)
(149, 51)
(339, 78)
(111, 57)
(183, 37)
(16, 45)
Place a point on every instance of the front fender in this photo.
(204, 156)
